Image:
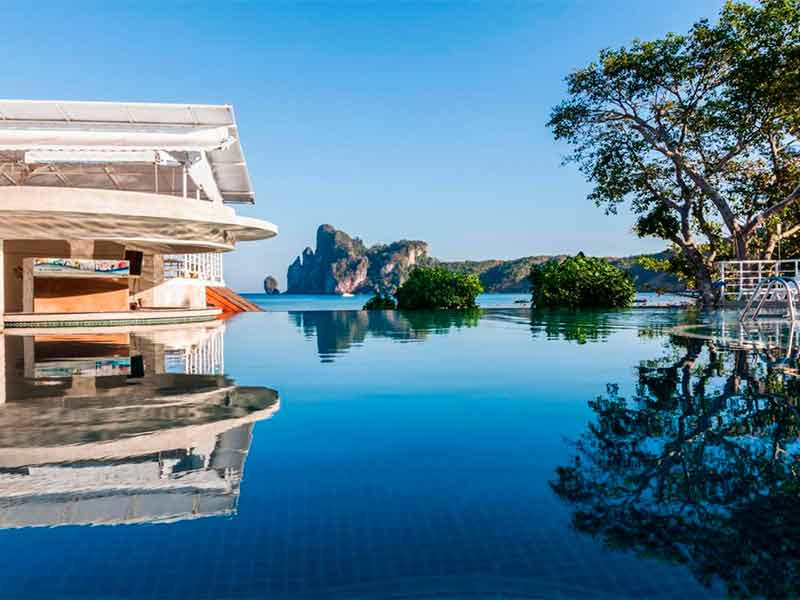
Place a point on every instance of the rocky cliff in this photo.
(344, 265)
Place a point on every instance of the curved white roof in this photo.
(114, 145)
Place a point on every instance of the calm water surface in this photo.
(284, 302)
(343, 454)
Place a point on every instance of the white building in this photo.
(117, 213)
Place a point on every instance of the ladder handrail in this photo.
(760, 285)
(775, 281)
(760, 305)
(789, 298)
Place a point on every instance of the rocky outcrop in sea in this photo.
(344, 265)
(271, 286)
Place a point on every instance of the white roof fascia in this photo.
(118, 139)
(88, 157)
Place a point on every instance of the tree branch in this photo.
(768, 212)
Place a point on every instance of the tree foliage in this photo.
(380, 302)
(436, 287)
(675, 263)
(581, 281)
(698, 132)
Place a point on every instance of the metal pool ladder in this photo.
(773, 286)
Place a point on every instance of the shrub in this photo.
(436, 287)
(380, 302)
(581, 281)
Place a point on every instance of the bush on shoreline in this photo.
(380, 302)
(431, 288)
(580, 282)
(436, 287)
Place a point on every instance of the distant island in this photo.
(271, 286)
(342, 264)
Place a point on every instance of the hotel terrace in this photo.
(118, 213)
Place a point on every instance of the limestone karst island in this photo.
(341, 264)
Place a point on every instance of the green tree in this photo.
(380, 302)
(699, 132)
(581, 281)
(436, 287)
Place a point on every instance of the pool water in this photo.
(317, 302)
(344, 454)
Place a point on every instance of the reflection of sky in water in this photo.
(435, 454)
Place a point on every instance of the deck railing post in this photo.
(741, 281)
(759, 274)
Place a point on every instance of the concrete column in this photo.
(29, 356)
(3, 369)
(145, 287)
(81, 248)
(2, 285)
(158, 269)
(27, 285)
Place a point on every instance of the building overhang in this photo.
(177, 149)
(164, 223)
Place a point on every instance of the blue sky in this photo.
(386, 119)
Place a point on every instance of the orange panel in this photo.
(228, 300)
(78, 295)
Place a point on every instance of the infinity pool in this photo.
(344, 454)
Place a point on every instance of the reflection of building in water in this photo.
(162, 486)
(777, 341)
(101, 429)
(204, 356)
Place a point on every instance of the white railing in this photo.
(742, 277)
(204, 358)
(207, 358)
(202, 267)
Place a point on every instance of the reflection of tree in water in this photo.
(336, 331)
(582, 326)
(423, 322)
(579, 326)
(700, 468)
